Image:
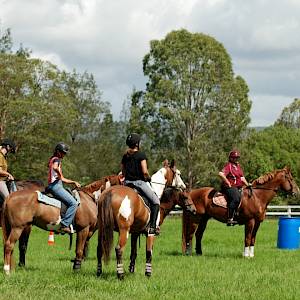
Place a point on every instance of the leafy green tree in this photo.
(195, 106)
(290, 116)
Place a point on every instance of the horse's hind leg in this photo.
(23, 243)
(87, 242)
(133, 254)
(119, 252)
(149, 249)
(80, 243)
(199, 234)
(9, 247)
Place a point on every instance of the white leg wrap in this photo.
(246, 252)
(6, 269)
(251, 254)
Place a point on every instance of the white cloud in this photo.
(110, 38)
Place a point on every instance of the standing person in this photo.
(135, 170)
(55, 185)
(7, 146)
(232, 181)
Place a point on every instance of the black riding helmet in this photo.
(62, 147)
(10, 143)
(133, 140)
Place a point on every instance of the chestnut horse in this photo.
(122, 209)
(21, 209)
(251, 213)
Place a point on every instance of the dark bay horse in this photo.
(122, 209)
(251, 213)
(22, 209)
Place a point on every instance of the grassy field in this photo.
(221, 273)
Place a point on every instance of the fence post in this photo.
(289, 209)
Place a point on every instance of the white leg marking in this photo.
(251, 254)
(246, 252)
(6, 269)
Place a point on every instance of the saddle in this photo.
(219, 199)
(141, 196)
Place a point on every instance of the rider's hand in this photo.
(78, 185)
(10, 177)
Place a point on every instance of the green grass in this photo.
(221, 273)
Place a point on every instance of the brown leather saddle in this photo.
(219, 199)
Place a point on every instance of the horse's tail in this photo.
(6, 229)
(106, 225)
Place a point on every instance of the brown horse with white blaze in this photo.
(251, 213)
(22, 209)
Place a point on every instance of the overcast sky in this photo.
(109, 39)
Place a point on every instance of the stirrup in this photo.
(153, 231)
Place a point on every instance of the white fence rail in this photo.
(272, 210)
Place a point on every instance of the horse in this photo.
(121, 209)
(251, 213)
(22, 209)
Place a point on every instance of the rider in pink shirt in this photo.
(233, 180)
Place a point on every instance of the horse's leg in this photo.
(123, 235)
(188, 229)
(23, 243)
(99, 257)
(80, 242)
(9, 244)
(133, 254)
(86, 245)
(254, 232)
(199, 234)
(249, 226)
(149, 249)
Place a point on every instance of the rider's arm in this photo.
(224, 178)
(6, 174)
(57, 169)
(145, 170)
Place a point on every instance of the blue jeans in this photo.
(57, 190)
(145, 189)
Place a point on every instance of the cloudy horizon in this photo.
(110, 38)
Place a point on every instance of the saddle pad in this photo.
(48, 200)
(219, 200)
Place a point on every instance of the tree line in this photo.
(194, 109)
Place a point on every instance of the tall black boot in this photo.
(153, 218)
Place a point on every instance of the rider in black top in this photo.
(135, 170)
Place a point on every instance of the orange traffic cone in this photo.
(51, 238)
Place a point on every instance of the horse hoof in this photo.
(120, 276)
(131, 269)
(148, 274)
(99, 272)
(21, 265)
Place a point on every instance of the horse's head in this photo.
(173, 177)
(172, 197)
(288, 183)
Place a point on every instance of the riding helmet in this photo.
(234, 154)
(62, 147)
(133, 140)
(10, 143)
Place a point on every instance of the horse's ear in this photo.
(172, 165)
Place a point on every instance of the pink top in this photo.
(233, 173)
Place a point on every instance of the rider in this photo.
(55, 185)
(7, 146)
(135, 170)
(233, 180)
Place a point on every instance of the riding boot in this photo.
(153, 230)
(230, 220)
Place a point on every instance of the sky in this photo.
(109, 39)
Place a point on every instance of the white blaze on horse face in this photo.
(97, 194)
(107, 184)
(177, 181)
(125, 209)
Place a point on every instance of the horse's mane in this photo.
(100, 184)
(266, 177)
